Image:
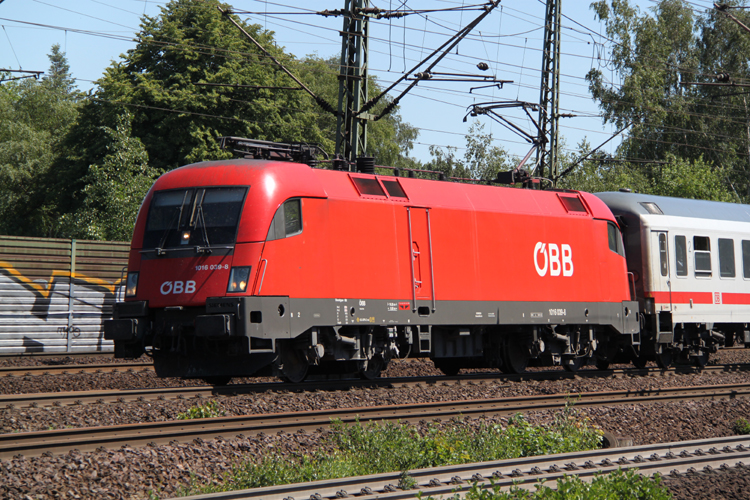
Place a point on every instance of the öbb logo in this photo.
(177, 287)
(554, 260)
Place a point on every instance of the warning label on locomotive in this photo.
(403, 306)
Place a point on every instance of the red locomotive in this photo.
(246, 266)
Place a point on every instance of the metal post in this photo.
(351, 128)
(71, 291)
(549, 98)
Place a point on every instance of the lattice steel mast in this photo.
(549, 98)
(351, 128)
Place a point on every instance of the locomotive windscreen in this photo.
(201, 217)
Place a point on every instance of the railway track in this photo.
(76, 398)
(32, 371)
(92, 438)
(704, 456)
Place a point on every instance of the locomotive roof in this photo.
(678, 207)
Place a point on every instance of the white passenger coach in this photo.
(690, 266)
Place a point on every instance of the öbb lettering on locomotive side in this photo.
(555, 258)
(259, 266)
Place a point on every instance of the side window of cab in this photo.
(615, 239)
(287, 221)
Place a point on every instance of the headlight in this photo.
(131, 286)
(238, 279)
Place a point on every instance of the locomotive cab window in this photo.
(680, 255)
(194, 217)
(702, 251)
(615, 239)
(287, 221)
(746, 259)
(726, 258)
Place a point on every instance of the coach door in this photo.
(660, 272)
(422, 273)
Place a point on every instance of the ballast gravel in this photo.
(167, 470)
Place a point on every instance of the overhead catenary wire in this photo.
(428, 91)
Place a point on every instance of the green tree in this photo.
(191, 78)
(114, 188)
(34, 117)
(694, 129)
(481, 160)
(389, 139)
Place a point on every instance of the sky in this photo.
(94, 33)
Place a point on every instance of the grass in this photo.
(206, 410)
(741, 426)
(618, 485)
(360, 449)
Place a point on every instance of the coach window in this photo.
(680, 255)
(287, 221)
(663, 253)
(746, 259)
(615, 239)
(702, 251)
(726, 258)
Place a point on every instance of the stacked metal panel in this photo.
(55, 294)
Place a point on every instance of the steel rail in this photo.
(91, 438)
(31, 371)
(76, 398)
(444, 482)
(316, 380)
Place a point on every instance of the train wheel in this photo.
(516, 356)
(665, 358)
(217, 380)
(372, 368)
(605, 354)
(702, 360)
(573, 364)
(294, 365)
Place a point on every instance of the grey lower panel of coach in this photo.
(282, 317)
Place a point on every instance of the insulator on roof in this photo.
(366, 164)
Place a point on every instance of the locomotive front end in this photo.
(195, 250)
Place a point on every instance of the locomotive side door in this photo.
(660, 273)
(420, 249)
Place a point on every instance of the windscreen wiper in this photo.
(205, 250)
(159, 250)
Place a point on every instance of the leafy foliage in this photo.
(358, 449)
(699, 132)
(77, 166)
(481, 160)
(618, 485)
(113, 189)
(741, 426)
(206, 410)
(34, 116)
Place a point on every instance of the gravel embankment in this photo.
(28, 419)
(133, 472)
